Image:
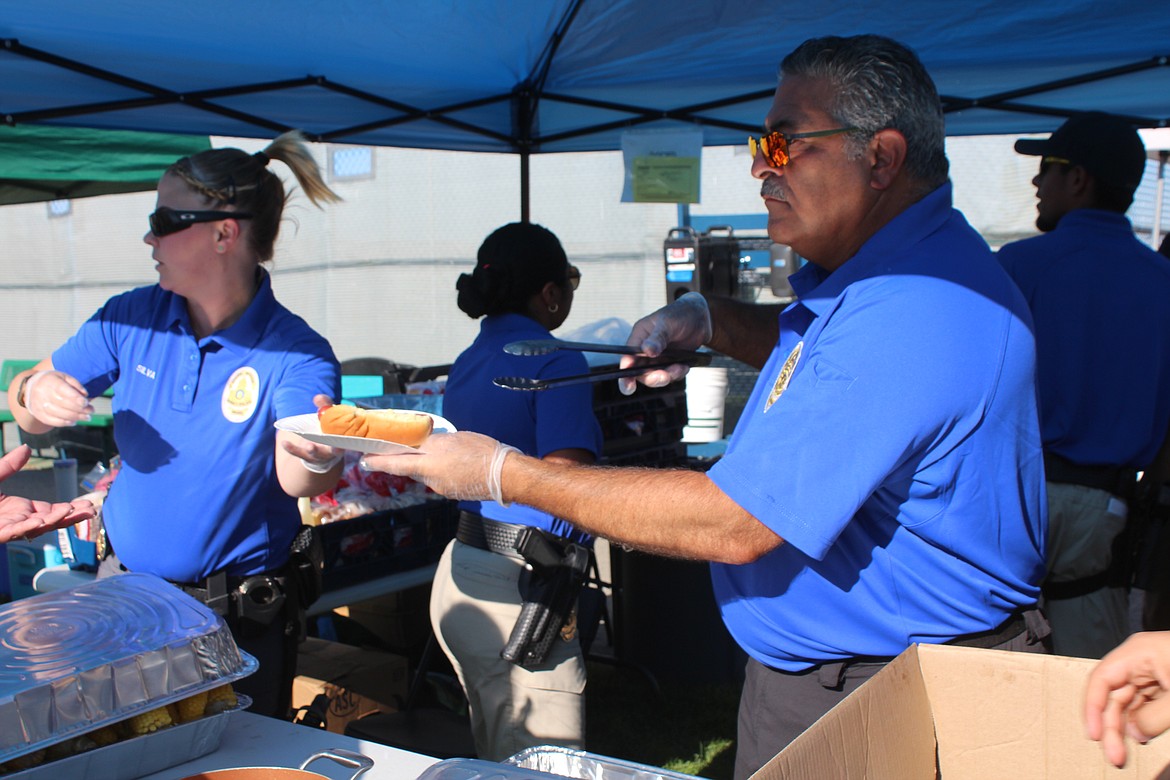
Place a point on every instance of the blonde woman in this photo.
(205, 361)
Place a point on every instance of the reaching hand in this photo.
(464, 466)
(24, 518)
(684, 324)
(318, 458)
(57, 399)
(1127, 694)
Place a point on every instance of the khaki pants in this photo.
(1082, 523)
(474, 604)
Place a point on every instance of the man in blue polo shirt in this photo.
(1101, 304)
(884, 484)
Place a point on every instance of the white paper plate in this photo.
(309, 426)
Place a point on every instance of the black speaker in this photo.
(701, 262)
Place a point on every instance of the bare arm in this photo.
(293, 452)
(678, 513)
(744, 331)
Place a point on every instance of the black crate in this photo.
(643, 429)
(374, 545)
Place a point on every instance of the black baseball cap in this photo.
(1107, 146)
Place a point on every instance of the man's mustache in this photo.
(772, 188)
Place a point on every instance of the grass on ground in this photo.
(682, 728)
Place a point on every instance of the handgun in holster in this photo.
(549, 587)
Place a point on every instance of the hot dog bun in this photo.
(409, 428)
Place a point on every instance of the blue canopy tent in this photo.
(537, 76)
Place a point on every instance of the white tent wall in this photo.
(376, 273)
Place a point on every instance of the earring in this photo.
(219, 248)
(553, 308)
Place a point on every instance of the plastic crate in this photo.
(381, 543)
(643, 429)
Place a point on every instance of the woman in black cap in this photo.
(522, 287)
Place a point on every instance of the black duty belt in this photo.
(492, 535)
(259, 597)
(993, 637)
(1117, 480)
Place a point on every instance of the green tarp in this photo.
(39, 162)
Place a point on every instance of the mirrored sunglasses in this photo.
(165, 221)
(774, 145)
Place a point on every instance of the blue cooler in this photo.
(25, 559)
(75, 551)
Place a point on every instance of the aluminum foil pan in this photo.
(587, 766)
(142, 755)
(75, 660)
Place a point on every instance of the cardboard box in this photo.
(356, 681)
(980, 713)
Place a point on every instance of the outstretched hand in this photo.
(22, 518)
(1127, 694)
(464, 466)
(683, 324)
(317, 457)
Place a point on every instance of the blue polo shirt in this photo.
(1101, 302)
(536, 423)
(193, 420)
(892, 441)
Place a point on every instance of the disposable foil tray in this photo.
(75, 660)
(547, 762)
(565, 762)
(142, 755)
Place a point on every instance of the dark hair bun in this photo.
(514, 263)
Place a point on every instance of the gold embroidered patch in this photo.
(785, 376)
(241, 394)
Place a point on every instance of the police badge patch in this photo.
(785, 376)
(240, 395)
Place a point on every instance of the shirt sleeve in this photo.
(91, 354)
(311, 369)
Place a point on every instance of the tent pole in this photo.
(524, 210)
(1156, 233)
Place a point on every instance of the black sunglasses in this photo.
(165, 221)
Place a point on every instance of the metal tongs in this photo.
(669, 357)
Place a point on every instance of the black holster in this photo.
(306, 563)
(549, 587)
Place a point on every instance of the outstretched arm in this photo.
(22, 518)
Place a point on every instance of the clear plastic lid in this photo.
(74, 660)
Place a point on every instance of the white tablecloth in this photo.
(254, 740)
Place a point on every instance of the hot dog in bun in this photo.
(400, 427)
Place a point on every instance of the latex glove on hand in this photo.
(1127, 694)
(57, 399)
(463, 466)
(684, 324)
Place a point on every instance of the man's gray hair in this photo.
(878, 83)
